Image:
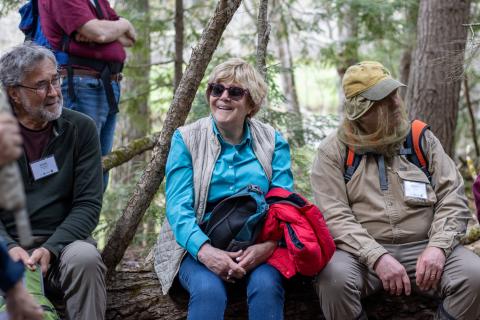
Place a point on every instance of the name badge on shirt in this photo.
(44, 167)
(415, 189)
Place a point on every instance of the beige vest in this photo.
(204, 147)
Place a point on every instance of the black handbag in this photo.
(236, 221)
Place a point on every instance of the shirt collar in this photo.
(247, 137)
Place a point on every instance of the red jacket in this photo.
(309, 245)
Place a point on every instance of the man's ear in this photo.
(13, 94)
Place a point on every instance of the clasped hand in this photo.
(234, 265)
(39, 256)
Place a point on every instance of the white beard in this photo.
(40, 113)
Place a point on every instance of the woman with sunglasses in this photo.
(211, 159)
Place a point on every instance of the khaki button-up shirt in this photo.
(362, 217)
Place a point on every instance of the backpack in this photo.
(33, 281)
(236, 221)
(31, 27)
(412, 149)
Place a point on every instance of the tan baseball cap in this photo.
(370, 79)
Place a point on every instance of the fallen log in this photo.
(136, 294)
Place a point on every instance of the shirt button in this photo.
(230, 167)
(231, 188)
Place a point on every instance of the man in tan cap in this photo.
(396, 226)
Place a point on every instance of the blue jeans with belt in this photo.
(208, 292)
(92, 101)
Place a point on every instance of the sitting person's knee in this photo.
(265, 276)
(333, 278)
(471, 276)
(209, 291)
(267, 279)
(84, 257)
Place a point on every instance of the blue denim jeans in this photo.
(208, 292)
(92, 101)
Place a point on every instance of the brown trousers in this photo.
(79, 276)
(344, 281)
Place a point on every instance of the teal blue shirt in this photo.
(236, 167)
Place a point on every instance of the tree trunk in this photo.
(153, 175)
(411, 17)
(405, 64)
(348, 55)
(287, 71)
(263, 29)
(291, 71)
(434, 86)
(295, 130)
(179, 37)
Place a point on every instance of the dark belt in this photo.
(91, 73)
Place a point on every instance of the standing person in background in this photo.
(94, 37)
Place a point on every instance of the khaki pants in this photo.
(344, 281)
(79, 275)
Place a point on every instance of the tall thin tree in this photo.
(411, 16)
(263, 29)
(179, 42)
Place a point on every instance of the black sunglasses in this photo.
(235, 93)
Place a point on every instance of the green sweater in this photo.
(65, 206)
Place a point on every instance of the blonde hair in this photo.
(386, 139)
(238, 71)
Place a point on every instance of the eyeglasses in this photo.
(44, 86)
(235, 93)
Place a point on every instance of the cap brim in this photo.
(382, 89)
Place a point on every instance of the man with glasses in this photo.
(62, 175)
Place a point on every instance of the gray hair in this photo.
(20, 60)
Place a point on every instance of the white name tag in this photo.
(44, 167)
(415, 189)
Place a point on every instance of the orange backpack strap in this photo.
(413, 146)
(350, 157)
(351, 163)
(418, 130)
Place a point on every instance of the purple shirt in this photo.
(35, 141)
(59, 17)
(476, 195)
